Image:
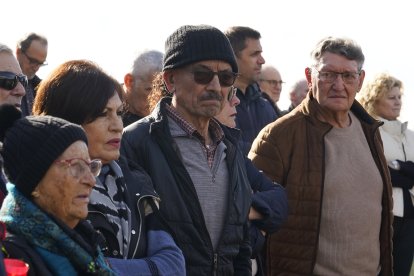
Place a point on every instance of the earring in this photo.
(35, 194)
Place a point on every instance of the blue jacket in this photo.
(270, 200)
(253, 113)
(149, 143)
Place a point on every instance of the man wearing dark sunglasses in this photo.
(12, 83)
(194, 162)
(254, 112)
(31, 52)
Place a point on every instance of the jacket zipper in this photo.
(215, 264)
(140, 222)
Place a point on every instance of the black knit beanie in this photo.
(31, 144)
(190, 44)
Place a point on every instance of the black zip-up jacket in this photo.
(149, 143)
(138, 188)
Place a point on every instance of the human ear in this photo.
(308, 74)
(128, 80)
(168, 78)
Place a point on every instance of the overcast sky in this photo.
(112, 32)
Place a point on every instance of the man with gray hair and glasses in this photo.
(328, 155)
(31, 52)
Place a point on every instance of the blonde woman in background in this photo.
(382, 98)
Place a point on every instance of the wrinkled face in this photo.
(104, 133)
(137, 94)
(8, 63)
(389, 106)
(32, 59)
(271, 83)
(228, 115)
(336, 96)
(63, 195)
(193, 100)
(250, 61)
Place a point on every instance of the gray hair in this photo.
(5, 48)
(342, 46)
(296, 85)
(147, 61)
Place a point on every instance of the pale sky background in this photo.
(112, 32)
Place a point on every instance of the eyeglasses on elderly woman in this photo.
(79, 166)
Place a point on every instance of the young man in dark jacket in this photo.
(195, 164)
(254, 111)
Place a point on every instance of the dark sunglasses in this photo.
(204, 76)
(9, 80)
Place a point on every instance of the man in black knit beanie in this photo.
(195, 163)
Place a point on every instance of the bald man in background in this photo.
(270, 83)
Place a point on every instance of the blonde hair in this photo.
(377, 89)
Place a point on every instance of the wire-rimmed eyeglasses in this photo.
(331, 76)
(79, 166)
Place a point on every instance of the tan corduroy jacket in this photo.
(291, 152)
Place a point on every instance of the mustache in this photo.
(210, 95)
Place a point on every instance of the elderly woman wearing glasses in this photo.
(123, 205)
(382, 98)
(51, 178)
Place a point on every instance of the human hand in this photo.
(254, 214)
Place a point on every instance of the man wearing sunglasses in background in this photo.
(12, 89)
(31, 52)
(254, 112)
(194, 162)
